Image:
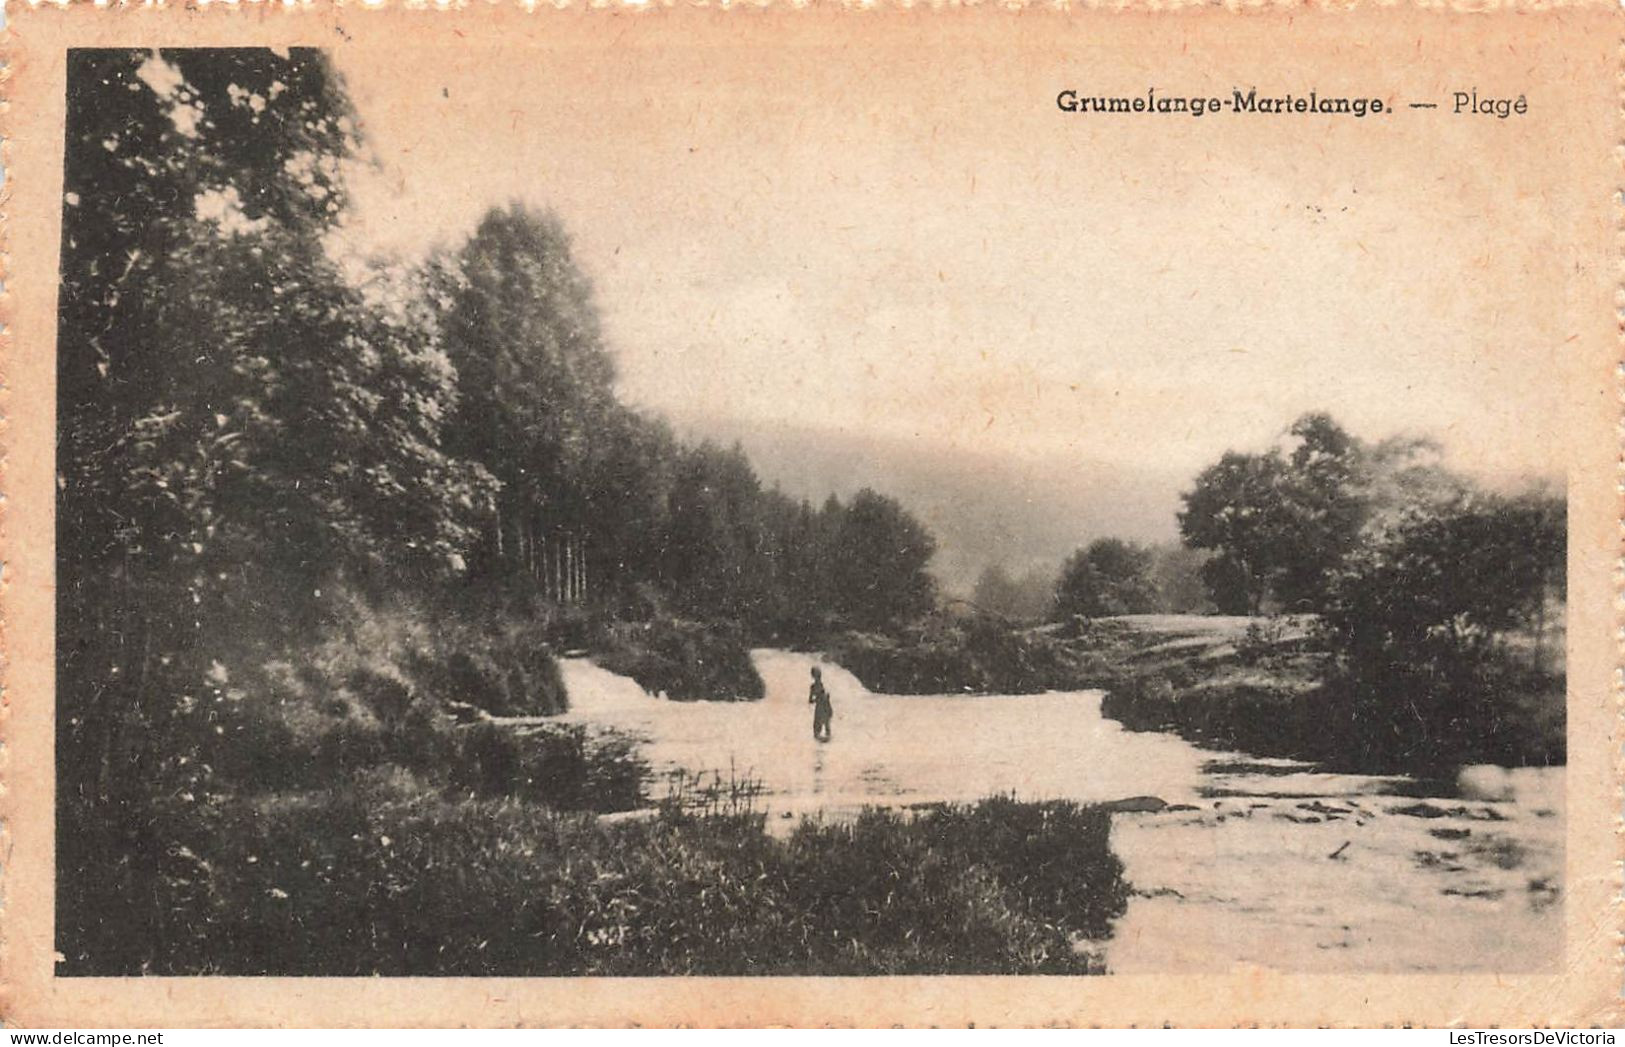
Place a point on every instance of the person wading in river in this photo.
(823, 712)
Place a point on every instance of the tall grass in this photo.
(388, 877)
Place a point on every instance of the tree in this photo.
(535, 381)
(154, 140)
(714, 558)
(878, 567)
(1428, 621)
(628, 479)
(1176, 572)
(240, 423)
(1234, 510)
(1461, 576)
(995, 590)
(1280, 522)
(1108, 577)
(1325, 505)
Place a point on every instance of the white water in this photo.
(1246, 876)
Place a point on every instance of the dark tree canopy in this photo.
(1109, 577)
(1234, 510)
(155, 142)
(1280, 522)
(879, 571)
(1463, 575)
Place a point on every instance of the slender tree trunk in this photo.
(1540, 632)
(558, 572)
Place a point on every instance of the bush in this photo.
(383, 878)
(561, 766)
(980, 655)
(1255, 713)
(1438, 631)
(1262, 641)
(684, 660)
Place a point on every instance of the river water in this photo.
(1252, 863)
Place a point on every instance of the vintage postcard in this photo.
(822, 515)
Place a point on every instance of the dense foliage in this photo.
(1281, 521)
(242, 428)
(1109, 577)
(1440, 627)
(1440, 643)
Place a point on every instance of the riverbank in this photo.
(1266, 686)
(681, 660)
(1270, 688)
(395, 876)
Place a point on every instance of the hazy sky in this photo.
(946, 267)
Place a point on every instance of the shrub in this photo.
(1428, 626)
(684, 660)
(981, 655)
(1255, 713)
(1261, 641)
(559, 765)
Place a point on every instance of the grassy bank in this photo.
(391, 876)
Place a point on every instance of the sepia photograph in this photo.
(616, 501)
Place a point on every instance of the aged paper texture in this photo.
(819, 516)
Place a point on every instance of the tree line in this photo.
(1298, 527)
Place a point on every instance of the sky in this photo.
(1033, 327)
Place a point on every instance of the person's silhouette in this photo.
(823, 711)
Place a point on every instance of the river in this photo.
(1253, 863)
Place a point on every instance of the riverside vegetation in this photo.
(325, 524)
(322, 518)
